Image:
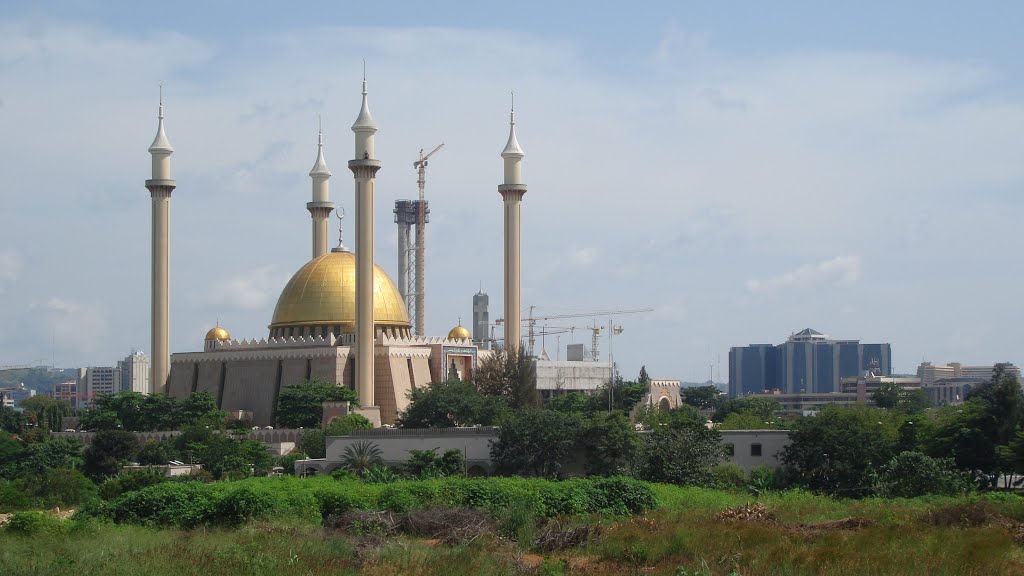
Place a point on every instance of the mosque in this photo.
(339, 319)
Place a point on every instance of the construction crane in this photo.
(420, 166)
(531, 321)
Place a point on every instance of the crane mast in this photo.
(412, 253)
(531, 322)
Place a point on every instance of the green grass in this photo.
(683, 536)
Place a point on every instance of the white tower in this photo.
(160, 187)
(364, 168)
(321, 207)
(512, 192)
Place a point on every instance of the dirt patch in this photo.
(5, 518)
(854, 523)
(969, 515)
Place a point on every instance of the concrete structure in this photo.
(6, 398)
(96, 381)
(512, 192)
(320, 207)
(931, 373)
(67, 391)
(950, 383)
(559, 376)
(748, 449)
(866, 385)
(160, 187)
(808, 362)
(135, 373)
(364, 169)
(407, 214)
(665, 394)
(808, 403)
(481, 318)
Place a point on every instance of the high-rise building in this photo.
(96, 381)
(67, 391)
(135, 373)
(481, 318)
(808, 362)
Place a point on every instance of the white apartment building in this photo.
(135, 373)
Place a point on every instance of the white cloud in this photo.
(10, 266)
(251, 289)
(838, 271)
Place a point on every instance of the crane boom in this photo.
(420, 165)
(531, 320)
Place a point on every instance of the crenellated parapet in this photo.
(384, 339)
(276, 342)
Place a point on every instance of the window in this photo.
(755, 449)
(730, 450)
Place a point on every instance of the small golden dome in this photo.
(323, 293)
(218, 333)
(459, 333)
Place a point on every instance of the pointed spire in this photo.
(512, 149)
(340, 213)
(161, 143)
(320, 167)
(364, 123)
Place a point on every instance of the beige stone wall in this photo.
(251, 385)
(210, 374)
(420, 372)
(179, 383)
(293, 371)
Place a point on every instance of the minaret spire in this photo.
(320, 208)
(364, 168)
(160, 187)
(512, 191)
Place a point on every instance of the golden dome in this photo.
(323, 293)
(459, 333)
(218, 333)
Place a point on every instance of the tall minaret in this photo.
(364, 167)
(321, 207)
(160, 188)
(512, 192)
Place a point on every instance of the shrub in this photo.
(34, 523)
(912, 474)
(14, 497)
(182, 504)
(241, 505)
(129, 482)
(728, 476)
(64, 487)
(621, 492)
(397, 499)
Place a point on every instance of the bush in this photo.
(397, 499)
(64, 487)
(241, 505)
(13, 496)
(912, 474)
(34, 523)
(728, 476)
(181, 504)
(129, 482)
(621, 492)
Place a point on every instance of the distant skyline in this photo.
(747, 170)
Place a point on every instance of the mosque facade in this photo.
(337, 314)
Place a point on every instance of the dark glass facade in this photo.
(813, 364)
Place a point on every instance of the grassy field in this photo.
(792, 533)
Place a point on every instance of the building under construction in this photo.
(412, 249)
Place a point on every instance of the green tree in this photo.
(428, 464)
(535, 442)
(155, 453)
(360, 457)
(571, 403)
(109, 450)
(50, 454)
(887, 395)
(46, 412)
(221, 455)
(314, 441)
(449, 404)
(965, 433)
(913, 474)
(763, 408)
(609, 443)
(680, 449)
(511, 375)
(622, 395)
(11, 420)
(1004, 402)
(301, 405)
(749, 421)
(643, 378)
(701, 397)
(11, 453)
(837, 451)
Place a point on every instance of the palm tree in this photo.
(360, 457)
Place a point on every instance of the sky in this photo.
(745, 169)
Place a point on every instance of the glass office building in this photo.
(808, 362)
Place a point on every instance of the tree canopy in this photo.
(449, 404)
(301, 405)
(511, 375)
